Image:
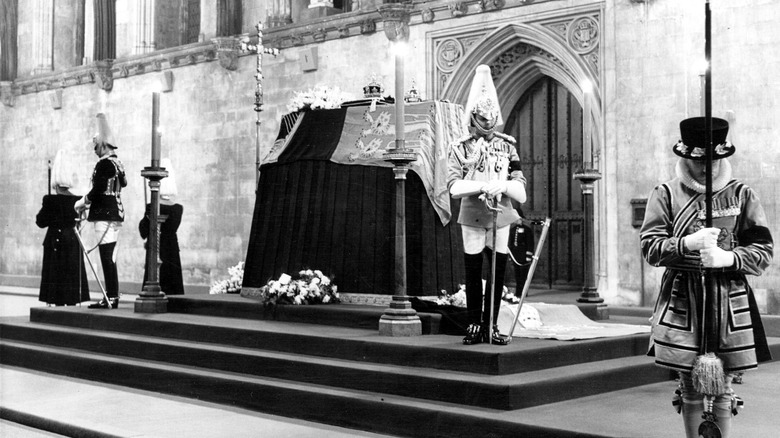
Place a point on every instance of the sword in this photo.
(492, 205)
(531, 269)
(89, 261)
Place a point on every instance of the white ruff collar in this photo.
(718, 183)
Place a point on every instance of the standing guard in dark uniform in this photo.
(674, 235)
(483, 167)
(106, 211)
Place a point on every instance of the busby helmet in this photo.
(103, 135)
(692, 144)
(483, 99)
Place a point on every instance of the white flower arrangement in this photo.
(320, 97)
(231, 285)
(458, 299)
(311, 287)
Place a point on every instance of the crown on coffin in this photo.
(374, 89)
(413, 95)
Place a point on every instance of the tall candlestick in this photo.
(587, 121)
(155, 129)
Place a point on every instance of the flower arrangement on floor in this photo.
(458, 299)
(231, 285)
(310, 287)
(320, 97)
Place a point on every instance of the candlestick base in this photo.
(400, 319)
(151, 305)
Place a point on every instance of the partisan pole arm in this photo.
(710, 342)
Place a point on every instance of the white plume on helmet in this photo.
(483, 99)
(104, 134)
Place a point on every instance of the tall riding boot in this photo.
(473, 264)
(110, 273)
(498, 291)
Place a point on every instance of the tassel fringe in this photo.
(708, 375)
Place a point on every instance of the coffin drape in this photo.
(326, 200)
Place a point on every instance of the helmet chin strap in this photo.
(487, 132)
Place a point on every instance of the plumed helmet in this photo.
(104, 134)
(483, 99)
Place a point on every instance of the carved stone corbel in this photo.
(8, 93)
(427, 15)
(458, 9)
(491, 5)
(367, 26)
(227, 51)
(102, 74)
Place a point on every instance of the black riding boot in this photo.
(473, 266)
(110, 276)
(498, 291)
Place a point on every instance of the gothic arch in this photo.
(519, 54)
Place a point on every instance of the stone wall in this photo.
(649, 83)
(652, 57)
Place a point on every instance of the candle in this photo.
(587, 152)
(400, 110)
(155, 129)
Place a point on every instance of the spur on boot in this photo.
(498, 338)
(473, 334)
(103, 304)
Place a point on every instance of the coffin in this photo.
(326, 200)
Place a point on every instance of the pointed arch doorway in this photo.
(547, 123)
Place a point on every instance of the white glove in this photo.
(494, 188)
(716, 258)
(704, 238)
(81, 205)
(464, 188)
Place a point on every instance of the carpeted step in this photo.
(432, 351)
(498, 392)
(369, 411)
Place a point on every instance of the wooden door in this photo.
(547, 123)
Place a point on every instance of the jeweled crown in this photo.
(374, 89)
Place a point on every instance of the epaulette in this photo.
(462, 139)
(506, 137)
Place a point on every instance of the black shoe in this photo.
(498, 338)
(103, 304)
(474, 334)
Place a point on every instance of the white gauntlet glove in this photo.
(704, 238)
(494, 188)
(716, 258)
(81, 205)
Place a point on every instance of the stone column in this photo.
(9, 17)
(43, 25)
(144, 27)
(105, 30)
(280, 14)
